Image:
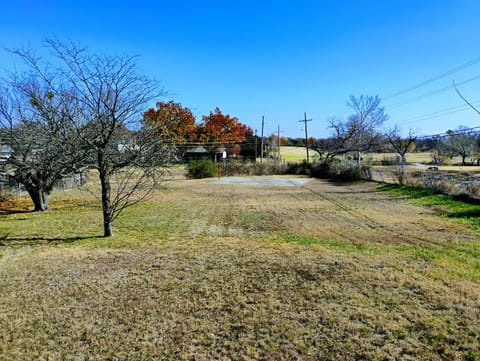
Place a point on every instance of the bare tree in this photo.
(461, 142)
(42, 149)
(476, 138)
(111, 96)
(401, 145)
(359, 133)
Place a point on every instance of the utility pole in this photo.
(256, 145)
(278, 141)
(261, 149)
(306, 133)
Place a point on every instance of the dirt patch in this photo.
(262, 181)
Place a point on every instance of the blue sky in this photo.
(278, 58)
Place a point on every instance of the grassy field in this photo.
(298, 154)
(233, 272)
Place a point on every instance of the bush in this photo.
(303, 168)
(267, 167)
(201, 169)
(335, 170)
(340, 171)
(320, 170)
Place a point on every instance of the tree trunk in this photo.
(402, 166)
(39, 198)
(106, 207)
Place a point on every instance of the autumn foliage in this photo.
(172, 121)
(176, 124)
(222, 128)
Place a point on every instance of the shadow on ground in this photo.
(6, 241)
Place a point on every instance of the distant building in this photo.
(5, 152)
(198, 153)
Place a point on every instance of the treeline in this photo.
(462, 142)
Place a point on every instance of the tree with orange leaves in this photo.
(172, 121)
(222, 128)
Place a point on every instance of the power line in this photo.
(440, 113)
(445, 134)
(430, 93)
(435, 78)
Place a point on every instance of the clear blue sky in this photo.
(278, 58)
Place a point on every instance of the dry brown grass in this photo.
(221, 272)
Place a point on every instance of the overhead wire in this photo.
(424, 95)
(430, 93)
(440, 113)
(472, 130)
(434, 78)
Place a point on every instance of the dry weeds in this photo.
(222, 272)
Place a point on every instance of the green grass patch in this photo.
(458, 260)
(329, 244)
(467, 213)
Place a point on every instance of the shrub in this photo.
(335, 170)
(267, 167)
(320, 170)
(340, 171)
(201, 169)
(299, 168)
(348, 172)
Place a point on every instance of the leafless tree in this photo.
(359, 133)
(111, 96)
(476, 137)
(32, 125)
(401, 145)
(461, 142)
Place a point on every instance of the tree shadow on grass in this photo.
(474, 213)
(343, 184)
(6, 241)
(6, 212)
(466, 199)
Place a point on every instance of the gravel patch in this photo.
(262, 181)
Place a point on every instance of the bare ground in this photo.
(221, 272)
